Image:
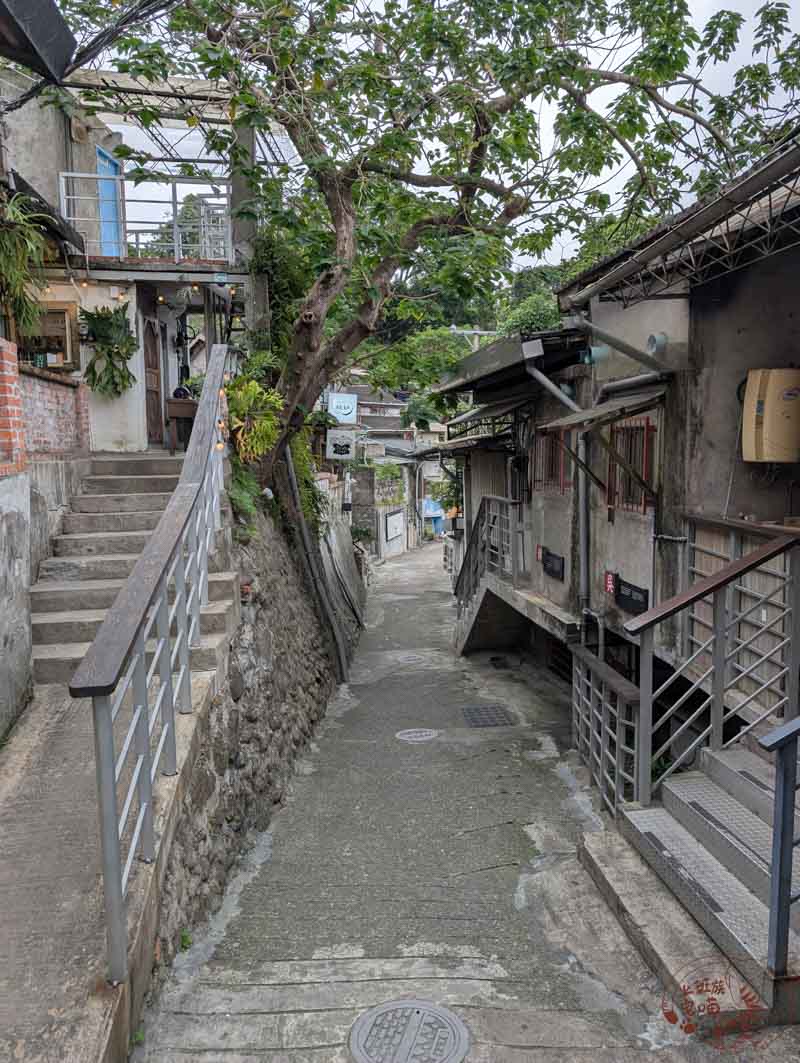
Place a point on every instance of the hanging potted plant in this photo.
(110, 335)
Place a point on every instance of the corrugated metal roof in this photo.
(607, 412)
(491, 410)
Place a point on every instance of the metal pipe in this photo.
(584, 597)
(645, 359)
(317, 578)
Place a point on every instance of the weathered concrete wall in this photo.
(15, 621)
(280, 678)
(375, 498)
(41, 141)
(747, 320)
(52, 483)
(118, 424)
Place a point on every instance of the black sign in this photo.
(631, 598)
(553, 564)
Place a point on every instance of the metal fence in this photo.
(495, 545)
(137, 670)
(172, 217)
(605, 726)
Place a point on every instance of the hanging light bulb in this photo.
(161, 298)
(220, 444)
(195, 287)
(84, 284)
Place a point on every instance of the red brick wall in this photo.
(41, 413)
(55, 412)
(12, 434)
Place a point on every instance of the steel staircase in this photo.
(699, 763)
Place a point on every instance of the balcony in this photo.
(174, 219)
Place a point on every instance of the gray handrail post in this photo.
(780, 889)
(116, 919)
(644, 746)
(513, 532)
(719, 661)
(193, 572)
(793, 654)
(140, 704)
(182, 626)
(164, 651)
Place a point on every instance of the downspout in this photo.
(583, 495)
(317, 577)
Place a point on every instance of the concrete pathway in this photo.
(443, 870)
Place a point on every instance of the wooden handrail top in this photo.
(621, 686)
(101, 668)
(730, 572)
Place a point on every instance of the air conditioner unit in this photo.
(771, 425)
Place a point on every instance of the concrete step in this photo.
(94, 544)
(735, 919)
(104, 567)
(138, 520)
(128, 485)
(115, 503)
(82, 625)
(745, 776)
(135, 465)
(51, 596)
(56, 662)
(658, 925)
(733, 835)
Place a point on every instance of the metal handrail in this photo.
(704, 587)
(783, 742)
(137, 670)
(488, 552)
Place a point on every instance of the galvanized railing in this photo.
(753, 647)
(170, 217)
(137, 670)
(783, 743)
(494, 546)
(605, 709)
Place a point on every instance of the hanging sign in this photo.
(343, 407)
(340, 445)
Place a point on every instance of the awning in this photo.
(34, 34)
(490, 411)
(607, 412)
(501, 441)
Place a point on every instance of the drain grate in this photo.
(488, 716)
(403, 1031)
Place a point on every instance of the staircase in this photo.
(702, 785)
(102, 536)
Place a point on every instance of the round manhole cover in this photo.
(409, 1031)
(417, 734)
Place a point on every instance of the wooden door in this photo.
(152, 383)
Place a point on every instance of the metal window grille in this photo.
(552, 465)
(634, 440)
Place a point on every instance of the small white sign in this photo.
(343, 407)
(340, 445)
(395, 525)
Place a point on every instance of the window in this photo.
(552, 465)
(635, 441)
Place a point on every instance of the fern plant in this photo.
(253, 415)
(107, 371)
(22, 247)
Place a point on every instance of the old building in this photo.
(630, 491)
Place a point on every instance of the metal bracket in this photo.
(618, 458)
(580, 462)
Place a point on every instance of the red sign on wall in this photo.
(611, 582)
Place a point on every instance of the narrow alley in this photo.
(440, 870)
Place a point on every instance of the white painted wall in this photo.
(114, 424)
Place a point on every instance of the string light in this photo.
(161, 298)
(195, 287)
(220, 444)
(84, 284)
(220, 424)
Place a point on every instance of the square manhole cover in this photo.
(488, 716)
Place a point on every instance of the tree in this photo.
(416, 130)
(416, 362)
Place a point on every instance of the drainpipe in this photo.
(583, 494)
(317, 576)
(645, 359)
